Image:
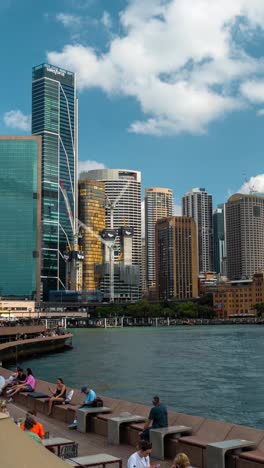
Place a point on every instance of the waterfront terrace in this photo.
(202, 431)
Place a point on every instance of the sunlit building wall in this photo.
(92, 214)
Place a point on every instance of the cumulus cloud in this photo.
(89, 165)
(17, 120)
(254, 184)
(253, 90)
(183, 61)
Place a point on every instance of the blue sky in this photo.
(174, 88)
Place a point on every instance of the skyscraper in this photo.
(20, 208)
(54, 117)
(123, 192)
(244, 235)
(176, 258)
(198, 204)
(219, 235)
(92, 214)
(158, 204)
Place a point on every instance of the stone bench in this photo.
(84, 414)
(157, 437)
(195, 445)
(115, 423)
(217, 452)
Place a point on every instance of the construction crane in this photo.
(110, 234)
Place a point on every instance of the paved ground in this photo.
(89, 444)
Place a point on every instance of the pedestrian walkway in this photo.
(89, 443)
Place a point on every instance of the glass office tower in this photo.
(54, 117)
(20, 208)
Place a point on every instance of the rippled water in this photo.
(210, 371)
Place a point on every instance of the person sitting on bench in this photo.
(158, 417)
(90, 397)
(59, 395)
(27, 386)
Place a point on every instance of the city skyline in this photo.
(182, 160)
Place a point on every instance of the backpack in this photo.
(98, 403)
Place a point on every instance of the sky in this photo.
(173, 88)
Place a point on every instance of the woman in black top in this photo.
(59, 395)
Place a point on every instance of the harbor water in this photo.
(212, 371)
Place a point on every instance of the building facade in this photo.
(239, 297)
(244, 235)
(176, 258)
(123, 209)
(92, 214)
(198, 205)
(54, 117)
(158, 205)
(219, 233)
(20, 214)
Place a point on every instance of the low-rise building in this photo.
(19, 309)
(239, 297)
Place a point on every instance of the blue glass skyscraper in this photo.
(54, 117)
(20, 207)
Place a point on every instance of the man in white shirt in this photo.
(140, 459)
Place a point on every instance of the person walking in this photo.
(140, 459)
(158, 417)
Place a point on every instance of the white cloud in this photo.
(181, 60)
(254, 184)
(67, 20)
(106, 20)
(253, 90)
(16, 119)
(260, 112)
(89, 165)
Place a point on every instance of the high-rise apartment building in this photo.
(123, 192)
(92, 214)
(20, 211)
(219, 234)
(198, 205)
(176, 258)
(54, 117)
(244, 235)
(158, 204)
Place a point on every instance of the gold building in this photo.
(239, 297)
(92, 214)
(176, 258)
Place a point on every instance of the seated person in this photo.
(37, 428)
(28, 425)
(158, 417)
(14, 379)
(90, 396)
(28, 385)
(59, 395)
